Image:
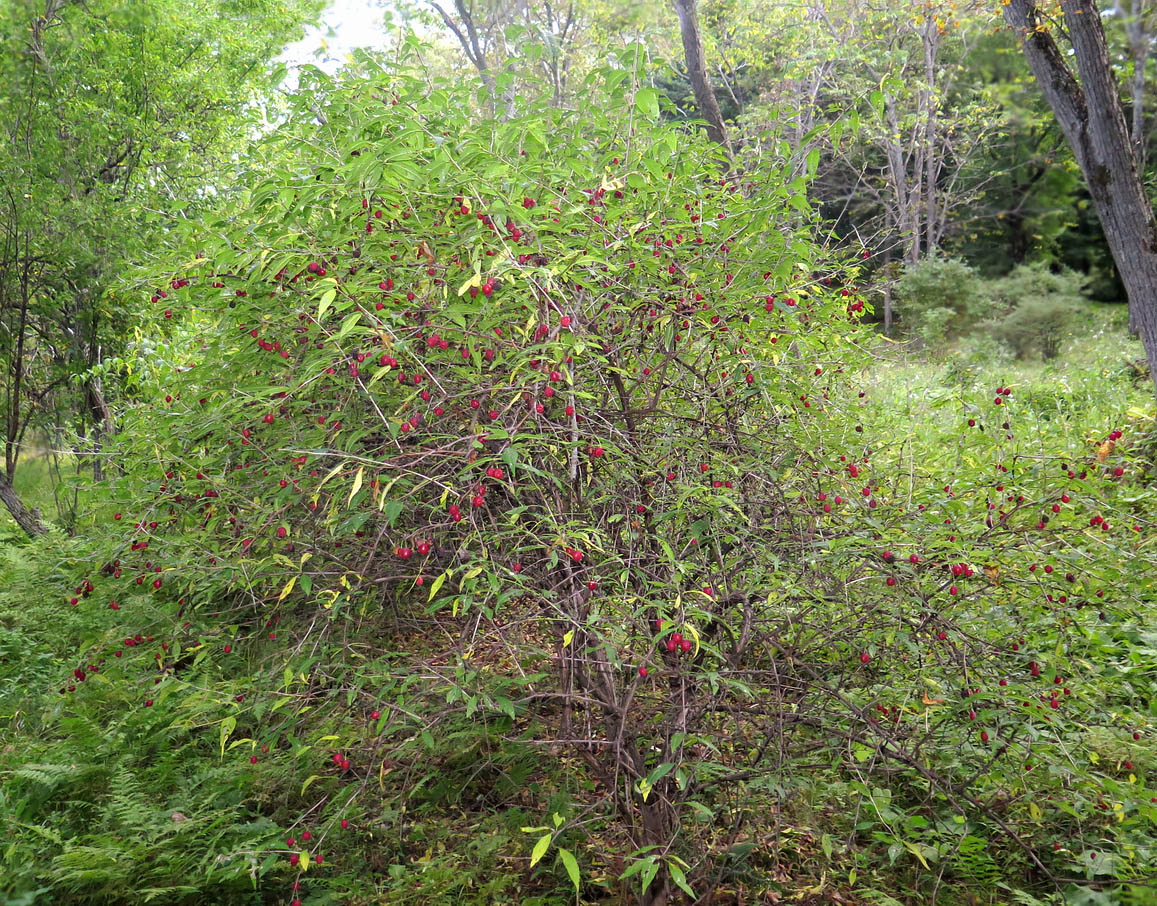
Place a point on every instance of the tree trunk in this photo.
(1092, 119)
(27, 519)
(697, 72)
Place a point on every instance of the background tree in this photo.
(117, 119)
(693, 55)
(1092, 118)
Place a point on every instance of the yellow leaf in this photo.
(915, 850)
(694, 634)
(475, 280)
(288, 588)
(357, 484)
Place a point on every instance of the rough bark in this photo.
(697, 72)
(1092, 119)
(28, 520)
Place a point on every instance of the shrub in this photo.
(1038, 324)
(1039, 308)
(938, 298)
(530, 468)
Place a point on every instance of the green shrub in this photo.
(1042, 325)
(1038, 309)
(939, 298)
(511, 500)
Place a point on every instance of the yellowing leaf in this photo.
(570, 863)
(475, 280)
(436, 585)
(687, 627)
(916, 851)
(357, 484)
(288, 588)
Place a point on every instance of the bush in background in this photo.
(940, 298)
(1040, 307)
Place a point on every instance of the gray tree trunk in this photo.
(1092, 120)
(28, 520)
(697, 72)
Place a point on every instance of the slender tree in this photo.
(697, 72)
(1088, 107)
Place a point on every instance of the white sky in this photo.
(346, 25)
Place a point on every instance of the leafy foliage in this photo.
(940, 297)
(513, 507)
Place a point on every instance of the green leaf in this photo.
(326, 300)
(540, 848)
(570, 863)
(647, 102)
(813, 161)
(437, 584)
(680, 879)
(649, 872)
(349, 324)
